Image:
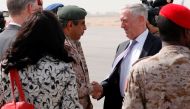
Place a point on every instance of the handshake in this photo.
(97, 90)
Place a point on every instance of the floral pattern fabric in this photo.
(50, 84)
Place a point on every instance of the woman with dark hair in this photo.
(43, 64)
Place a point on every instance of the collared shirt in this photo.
(130, 58)
(74, 49)
(160, 81)
(13, 23)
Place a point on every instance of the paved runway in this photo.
(99, 45)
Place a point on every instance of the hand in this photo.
(97, 90)
(169, 1)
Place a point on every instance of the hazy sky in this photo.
(94, 6)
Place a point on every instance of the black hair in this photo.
(170, 31)
(39, 36)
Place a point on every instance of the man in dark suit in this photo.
(133, 21)
(19, 10)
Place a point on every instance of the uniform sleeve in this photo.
(70, 97)
(134, 95)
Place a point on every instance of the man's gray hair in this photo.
(137, 9)
(15, 7)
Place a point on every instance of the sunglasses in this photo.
(39, 2)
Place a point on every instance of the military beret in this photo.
(177, 13)
(71, 12)
(54, 6)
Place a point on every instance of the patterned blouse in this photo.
(50, 84)
(161, 81)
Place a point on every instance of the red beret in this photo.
(177, 13)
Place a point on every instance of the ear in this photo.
(142, 19)
(70, 24)
(29, 8)
(185, 38)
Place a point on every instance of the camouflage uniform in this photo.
(161, 81)
(79, 66)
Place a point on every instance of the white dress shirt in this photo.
(130, 58)
(13, 23)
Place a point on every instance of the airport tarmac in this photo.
(99, 46)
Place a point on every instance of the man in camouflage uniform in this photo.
(163, 80)
(72, 19)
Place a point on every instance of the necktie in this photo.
(123, 54)
(125, 67)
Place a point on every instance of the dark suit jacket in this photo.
(111, 90)
(7, 37)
